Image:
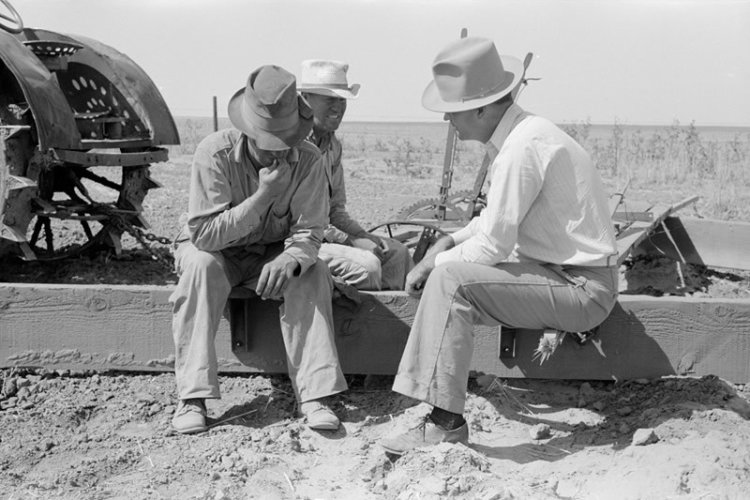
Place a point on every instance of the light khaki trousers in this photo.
(363, 270)
(198, 302)
(436, 361)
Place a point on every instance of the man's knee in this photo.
(317, 274)
(370, 263)
(200, 262)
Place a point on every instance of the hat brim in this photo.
(432, 101)
(278, 140)
(350, 93)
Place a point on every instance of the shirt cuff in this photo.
(304, 260)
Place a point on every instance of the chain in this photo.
(141, 236)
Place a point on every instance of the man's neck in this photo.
(321, 136)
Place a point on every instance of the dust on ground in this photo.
(107, 435)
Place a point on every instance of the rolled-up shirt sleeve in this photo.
(213, 224)
(491, 237)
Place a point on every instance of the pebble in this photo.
(599, 405)
(624, 411)
(586, 389)
(9, 386)
(8, 403)
(434, 485)
(642, 437)
(23, 393)
(540, 431)
(145, 398)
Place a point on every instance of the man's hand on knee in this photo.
(371, 243)
(416, 279)
(275, 276)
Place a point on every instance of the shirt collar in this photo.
(513, 115)
(322, 141)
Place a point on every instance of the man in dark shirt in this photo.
(354, 255)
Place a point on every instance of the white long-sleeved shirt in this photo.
(545, 203)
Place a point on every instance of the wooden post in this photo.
(216, 116)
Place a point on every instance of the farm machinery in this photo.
(80, 124)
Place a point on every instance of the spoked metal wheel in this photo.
(417, 236)
(87, 209)
(458, 207)
(52, 210)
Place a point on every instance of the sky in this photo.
(637, 62)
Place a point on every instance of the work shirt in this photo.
(545, 203)
(340, 224)
(222, 215)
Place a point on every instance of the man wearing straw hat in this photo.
(355, 256)
(256, 214)
(542, 254)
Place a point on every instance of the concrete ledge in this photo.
(129, 328)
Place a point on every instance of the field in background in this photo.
(390, 164)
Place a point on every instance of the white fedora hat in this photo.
(325, 77)
(468, 74)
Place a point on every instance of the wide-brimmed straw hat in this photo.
(324, 77)
(469, 73)
(269, 110)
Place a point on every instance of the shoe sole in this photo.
(391, 451)
(191, 430)
(324, 427)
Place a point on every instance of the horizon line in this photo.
(561, 122)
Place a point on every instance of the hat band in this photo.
(484, 93)
(343, 86)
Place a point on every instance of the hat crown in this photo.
(269, 110)
(321, 72)
(271, 92)
(469, 68)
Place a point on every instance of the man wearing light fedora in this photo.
(256, 214)
(355, 256)
(542, 254)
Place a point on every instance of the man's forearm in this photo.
(218, 231)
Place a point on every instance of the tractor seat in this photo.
(50, 48)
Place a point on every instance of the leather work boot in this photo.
(425, 434)
(190, 416)
(319, 415)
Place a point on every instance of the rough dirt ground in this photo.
(107, 435)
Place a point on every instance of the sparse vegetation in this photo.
(658, 164)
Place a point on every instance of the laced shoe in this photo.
(427, 433)
(190, 416)
(319, 415)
